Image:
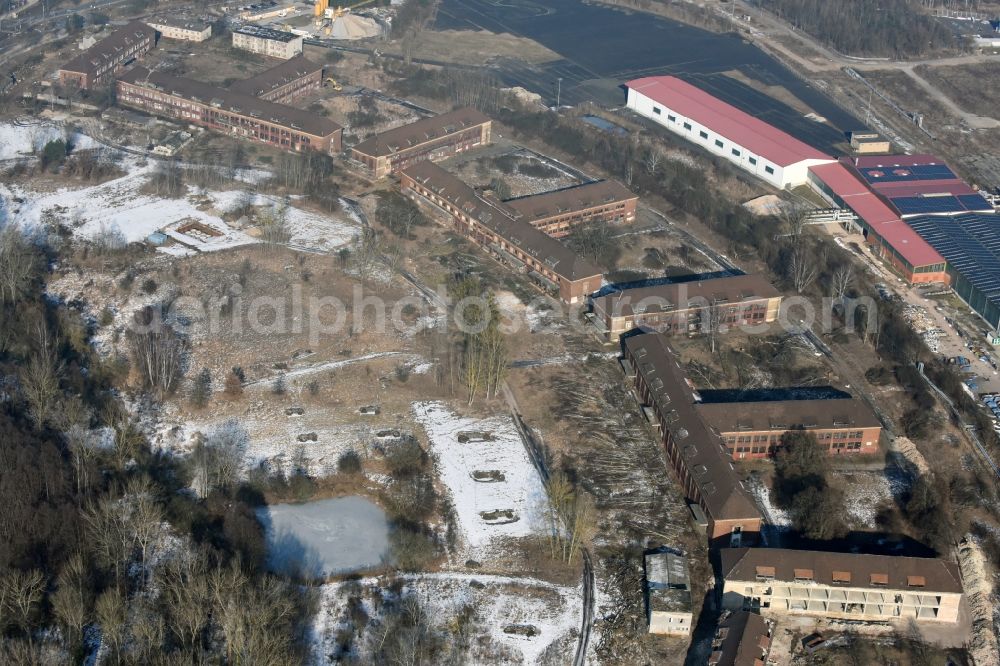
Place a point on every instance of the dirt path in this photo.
(971, 119)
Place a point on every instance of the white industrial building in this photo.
(723, 130)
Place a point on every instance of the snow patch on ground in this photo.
(116, 205)
(497, 602)
(24, 140)
(521, 490)
(865, 492)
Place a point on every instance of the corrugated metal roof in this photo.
(726, 120)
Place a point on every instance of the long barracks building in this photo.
(495, 227)
(232, 113)
(428, 139)
(696, 453)
(679, 307)
(845, 586)
(556, 212)
(752, 429)
(284, 82)
(103, 61)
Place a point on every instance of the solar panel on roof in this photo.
(918, 205)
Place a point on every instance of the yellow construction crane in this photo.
(340, 11)
(333, 84)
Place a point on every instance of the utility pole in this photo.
(558, 92)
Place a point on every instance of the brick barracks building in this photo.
(696, 453)
(557, 212)
(753, 429)
(493, 226)
(429, 139)
(678, 308)
(102, 62)
(232, 113)
(284, 82)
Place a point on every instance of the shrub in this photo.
(149, 286)
(349, 462)
(412, 547)
(406, 459)
(279, 387)
(202, 389)
(313, 388)
(233, 385)
(107, 317)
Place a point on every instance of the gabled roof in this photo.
(918, 574)
(678, 295)
(421, 131)
(780, 415)
(701, 450)
(280, 114)
(281, 74)
(726, 120)
(110, 47)
(498, 217)
(579, 197)
(742, 638)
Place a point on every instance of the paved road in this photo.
(766, 26)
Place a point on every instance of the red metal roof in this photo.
(879, 217)
(840, 179)
(726, 120)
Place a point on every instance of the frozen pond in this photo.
(325, 537)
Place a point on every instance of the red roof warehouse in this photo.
(721, 128)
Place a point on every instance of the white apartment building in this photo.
(723, 130)
(265, 41)
(189, 31)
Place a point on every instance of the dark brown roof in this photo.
(678, 296)
(741, 639)
(277, 76)
(496, 216)
(581, 197)
(108, 48)
(701, 450)
(781, 415)
(422, 131)
(740, 564)
(248, 105)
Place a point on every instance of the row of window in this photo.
(718, 143)
(486, 237)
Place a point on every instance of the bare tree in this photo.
(107, 529)
(183, 584)
(72, 598)
(18, 261)
(156, 350)
(110, 612)
(712, 322)
(145, 517)
(273, 224)
(20, 594)
(218, 459)
(652, 160)
(802, 269)
(843, 278)
(40, 380)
